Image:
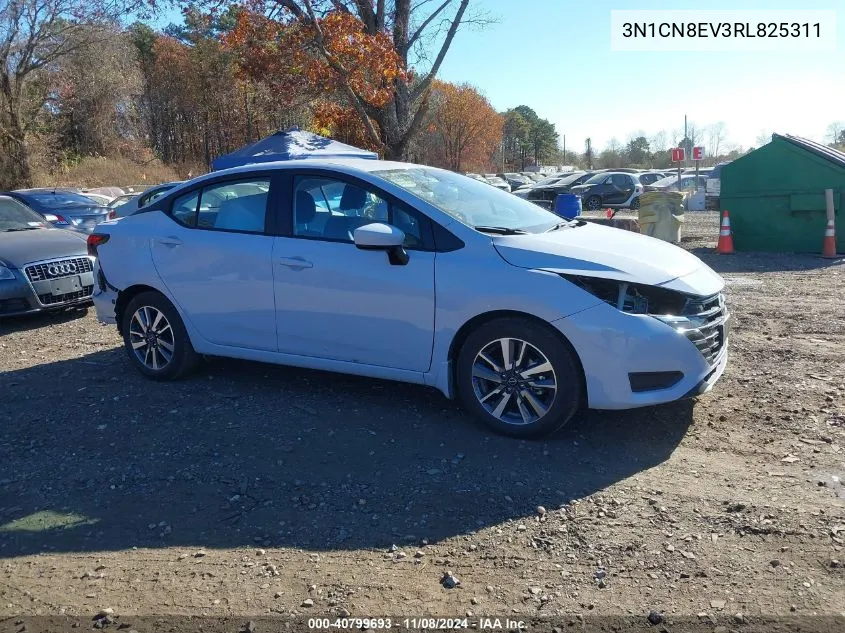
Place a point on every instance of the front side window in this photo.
(331, 209)
(229, 206)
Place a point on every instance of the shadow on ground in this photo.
(765, 262)
(39, 320)
(95, 457)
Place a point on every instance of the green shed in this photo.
(775, 195)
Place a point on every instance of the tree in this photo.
(516, 133)
(588, 153)
(638, 151)
(468, 127)
(96, 88)
(834, 132)
(715, 139)
(35, 35)
(363, 50)
(763, 137)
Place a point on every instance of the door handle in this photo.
(295, 263)
(170, 241)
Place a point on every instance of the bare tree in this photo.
(834, 132)
(763, 137)
(35, 34)
(659, 142)
(715, 138)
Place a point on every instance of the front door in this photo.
(336, 301)
(215, 260)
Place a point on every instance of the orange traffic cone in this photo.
(725, 245)
(829, 244)
(609, 212)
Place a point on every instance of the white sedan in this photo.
(411, 273)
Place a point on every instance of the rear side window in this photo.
(227, 206)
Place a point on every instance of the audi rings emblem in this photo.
(67, 268)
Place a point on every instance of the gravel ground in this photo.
(251, 490)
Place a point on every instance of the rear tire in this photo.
(593, 203)
(156, 339)
(519, 378)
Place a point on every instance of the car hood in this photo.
(20, 248)
(593, 250)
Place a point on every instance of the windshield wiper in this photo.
(22, 228)
(500, 230)
(561, 225)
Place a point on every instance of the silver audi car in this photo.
(41, 267)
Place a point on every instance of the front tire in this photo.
(593, 203)
(156, 339)
(519, 378)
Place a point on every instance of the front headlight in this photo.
(666, 305)
(6, 273)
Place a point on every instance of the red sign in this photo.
(697, 153)
(677, 154)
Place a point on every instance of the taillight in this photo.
(95, 240)
(112, 214)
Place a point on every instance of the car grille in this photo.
(51, 299)
(59, 268)
(711, 336)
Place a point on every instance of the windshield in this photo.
(14, 216)
(50, 200)
(471, 202)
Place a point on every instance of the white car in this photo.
(405, 272)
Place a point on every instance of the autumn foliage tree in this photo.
(468, 128)
(361, 51)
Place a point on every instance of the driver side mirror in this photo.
(382, 237)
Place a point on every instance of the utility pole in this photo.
(564, 150)
(685, 141)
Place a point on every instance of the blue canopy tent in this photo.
(290, 145)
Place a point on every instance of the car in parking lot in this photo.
(497, 182)
(613, 189)
(671, 183)
(548, 192)
(648, 177)
(130, 203)
(62, 208)
(245, 263)
(41, 267)
(515, 180)
(712, 187)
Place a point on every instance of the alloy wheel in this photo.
(514, 381)
(594, 203)
(152, 338)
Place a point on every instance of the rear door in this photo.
(215, 259)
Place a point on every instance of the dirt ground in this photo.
(250, 491)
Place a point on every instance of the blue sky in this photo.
(555, 56)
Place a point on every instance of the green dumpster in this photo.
(661, 215)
